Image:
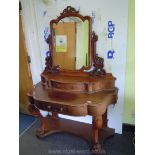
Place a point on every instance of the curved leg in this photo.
(104, 120)
(41, 131)
(35, 112)
(106, 132)
(96, 126)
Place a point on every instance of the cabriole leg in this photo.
(35, 112)
(97, 124)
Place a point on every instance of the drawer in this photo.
(51, 107)
(57, 108)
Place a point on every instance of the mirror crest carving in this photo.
(69, 9)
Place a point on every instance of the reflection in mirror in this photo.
(71, 43)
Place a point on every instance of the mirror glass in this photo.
(71, 37)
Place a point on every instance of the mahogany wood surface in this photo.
(74, 104)
(71, 103)
(75, 93)
(84, 130)
(79, 83)
(92, 133)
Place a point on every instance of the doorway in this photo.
(65, 55)
(25, 78)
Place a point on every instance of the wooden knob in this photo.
(89, 101)
(49, 107)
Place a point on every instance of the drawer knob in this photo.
(49, 107)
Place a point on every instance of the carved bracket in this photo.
(49, 68)
(48, 64)
(98, 62)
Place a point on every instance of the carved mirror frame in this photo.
(96, 63)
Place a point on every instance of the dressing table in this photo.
(74, 82)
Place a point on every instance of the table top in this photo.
(72, 103)
(71, 98)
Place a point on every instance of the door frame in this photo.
(31, 39)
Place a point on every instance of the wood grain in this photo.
(74, 93)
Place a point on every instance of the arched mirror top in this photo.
(70, 12)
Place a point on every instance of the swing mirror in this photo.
(71, 40)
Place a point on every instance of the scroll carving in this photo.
(69, 9)
(48, 60)
(98, 62)
(48, 64)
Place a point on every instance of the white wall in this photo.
(105, 10)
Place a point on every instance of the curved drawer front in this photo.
(84, 87)
(69, 86)
(89, 84)
(62, 109)
(51, 107)
(100, 85)
(103, 85)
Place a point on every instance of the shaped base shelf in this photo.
(84, 130)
